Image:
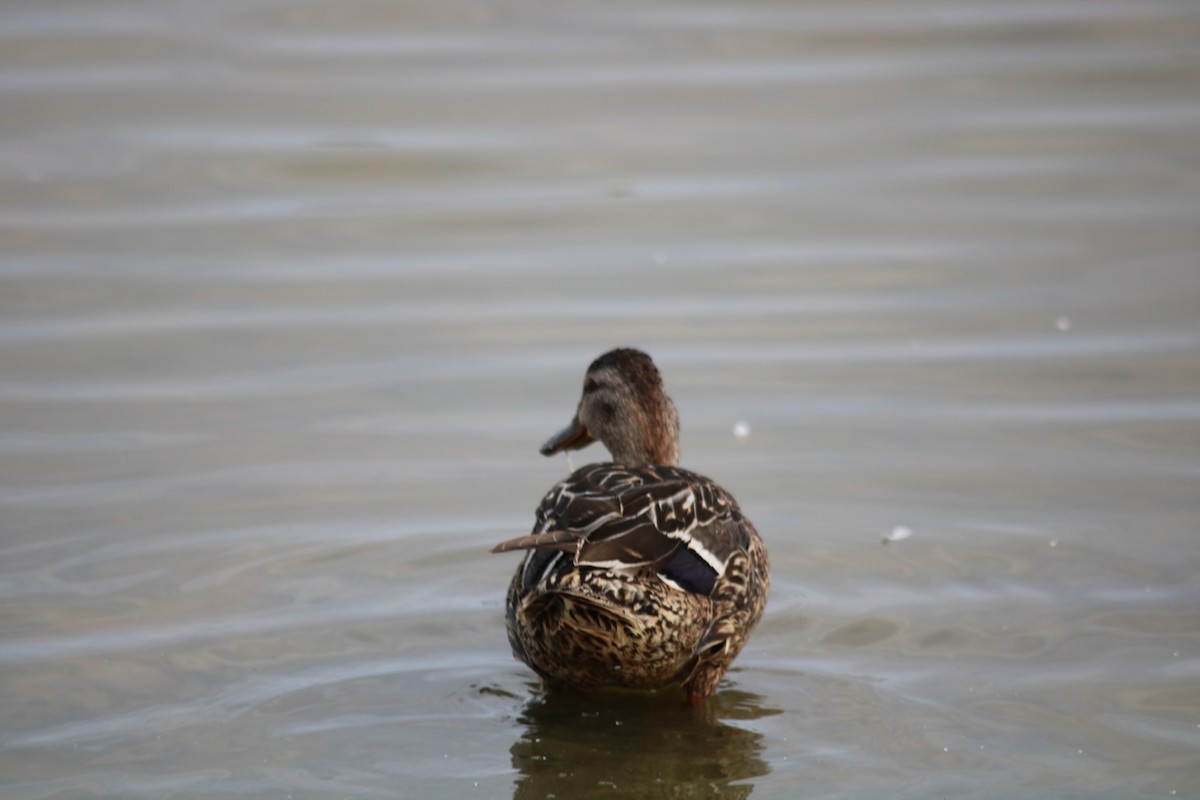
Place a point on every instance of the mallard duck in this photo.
(638, 573)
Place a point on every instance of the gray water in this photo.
(291, 292)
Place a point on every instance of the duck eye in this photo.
(591, 385)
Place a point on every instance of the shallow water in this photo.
(290, 293)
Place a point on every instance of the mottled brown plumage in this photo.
(638, 573)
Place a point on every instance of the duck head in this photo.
(625, 407)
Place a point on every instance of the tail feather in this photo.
(549, 540)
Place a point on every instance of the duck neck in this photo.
(652, 438)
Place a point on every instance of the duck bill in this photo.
(572, 437)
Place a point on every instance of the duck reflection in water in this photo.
(630, 744)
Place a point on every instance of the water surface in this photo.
(290, 293)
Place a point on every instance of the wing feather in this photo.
(611, 516)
